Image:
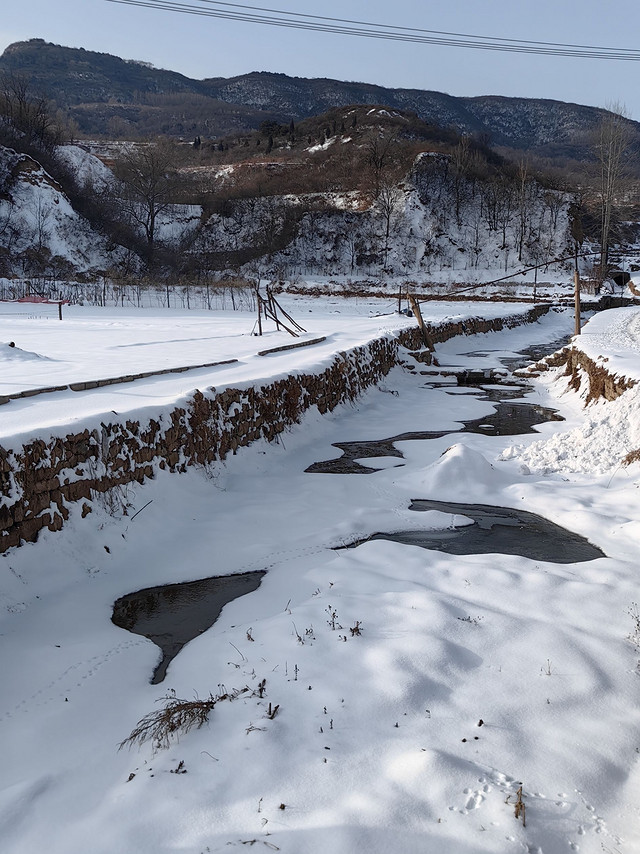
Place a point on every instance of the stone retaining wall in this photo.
(580, 369)
(42, 479)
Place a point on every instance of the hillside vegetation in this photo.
(358, 190)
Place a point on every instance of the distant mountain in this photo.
(114, 97)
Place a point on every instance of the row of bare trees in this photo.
(27, 117)
(614, 137)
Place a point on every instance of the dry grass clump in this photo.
(631, 457)
(176, 717)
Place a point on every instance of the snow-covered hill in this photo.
(40, 232)
(436, 224)
(43, 236)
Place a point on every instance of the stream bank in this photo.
(42, 479)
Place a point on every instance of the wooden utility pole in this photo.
(415, 307)
(576, 282)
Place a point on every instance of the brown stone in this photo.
(56, 522)
(77, 490)
(6, 517)
(9, 539)
(46, 485)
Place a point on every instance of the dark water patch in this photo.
(497, 395)
(512, 419)
(171, 615)
(354, 451)
(507, 419)
(495, 530)
(533, 354)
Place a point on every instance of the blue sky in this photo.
(203, 47)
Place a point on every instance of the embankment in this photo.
(585, 374)
(43, 478)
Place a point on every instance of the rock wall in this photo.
(581, 370)
(42, 479)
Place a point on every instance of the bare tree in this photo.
(461, 161)
(149, 181)
(27, 115)
(524, 192)
(613, 137)
(381, 154)
(389, 198)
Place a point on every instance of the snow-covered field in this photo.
(377, 744)
(94, 343)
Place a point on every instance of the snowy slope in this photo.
(39, 228)
(473, 675)
(607, 431)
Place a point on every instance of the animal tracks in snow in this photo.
(581, 817)
(68, 681)
(476, 798)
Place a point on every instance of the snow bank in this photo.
(609, 430)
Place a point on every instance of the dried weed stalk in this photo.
(176, 717)
(631, 457)
(519, 807)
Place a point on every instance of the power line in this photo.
(388, 32)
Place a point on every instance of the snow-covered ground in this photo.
(93, 343)
(606, 432)
(377, 744)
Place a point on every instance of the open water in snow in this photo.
(174, 614)
(495, 530)
(171, 615)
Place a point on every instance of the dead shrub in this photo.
(176, 717)
(631, 457)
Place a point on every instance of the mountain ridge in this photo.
(108, 95)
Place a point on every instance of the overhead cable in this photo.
(388, 32)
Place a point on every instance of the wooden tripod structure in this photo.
(270, 309)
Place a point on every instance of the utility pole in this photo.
(576, 282)
(415, 307)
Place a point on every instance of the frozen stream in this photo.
(174, 614)
(417, 690)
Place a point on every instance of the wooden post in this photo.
(273, 309)
(576, 282)
(415, 307)
(59, 309)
